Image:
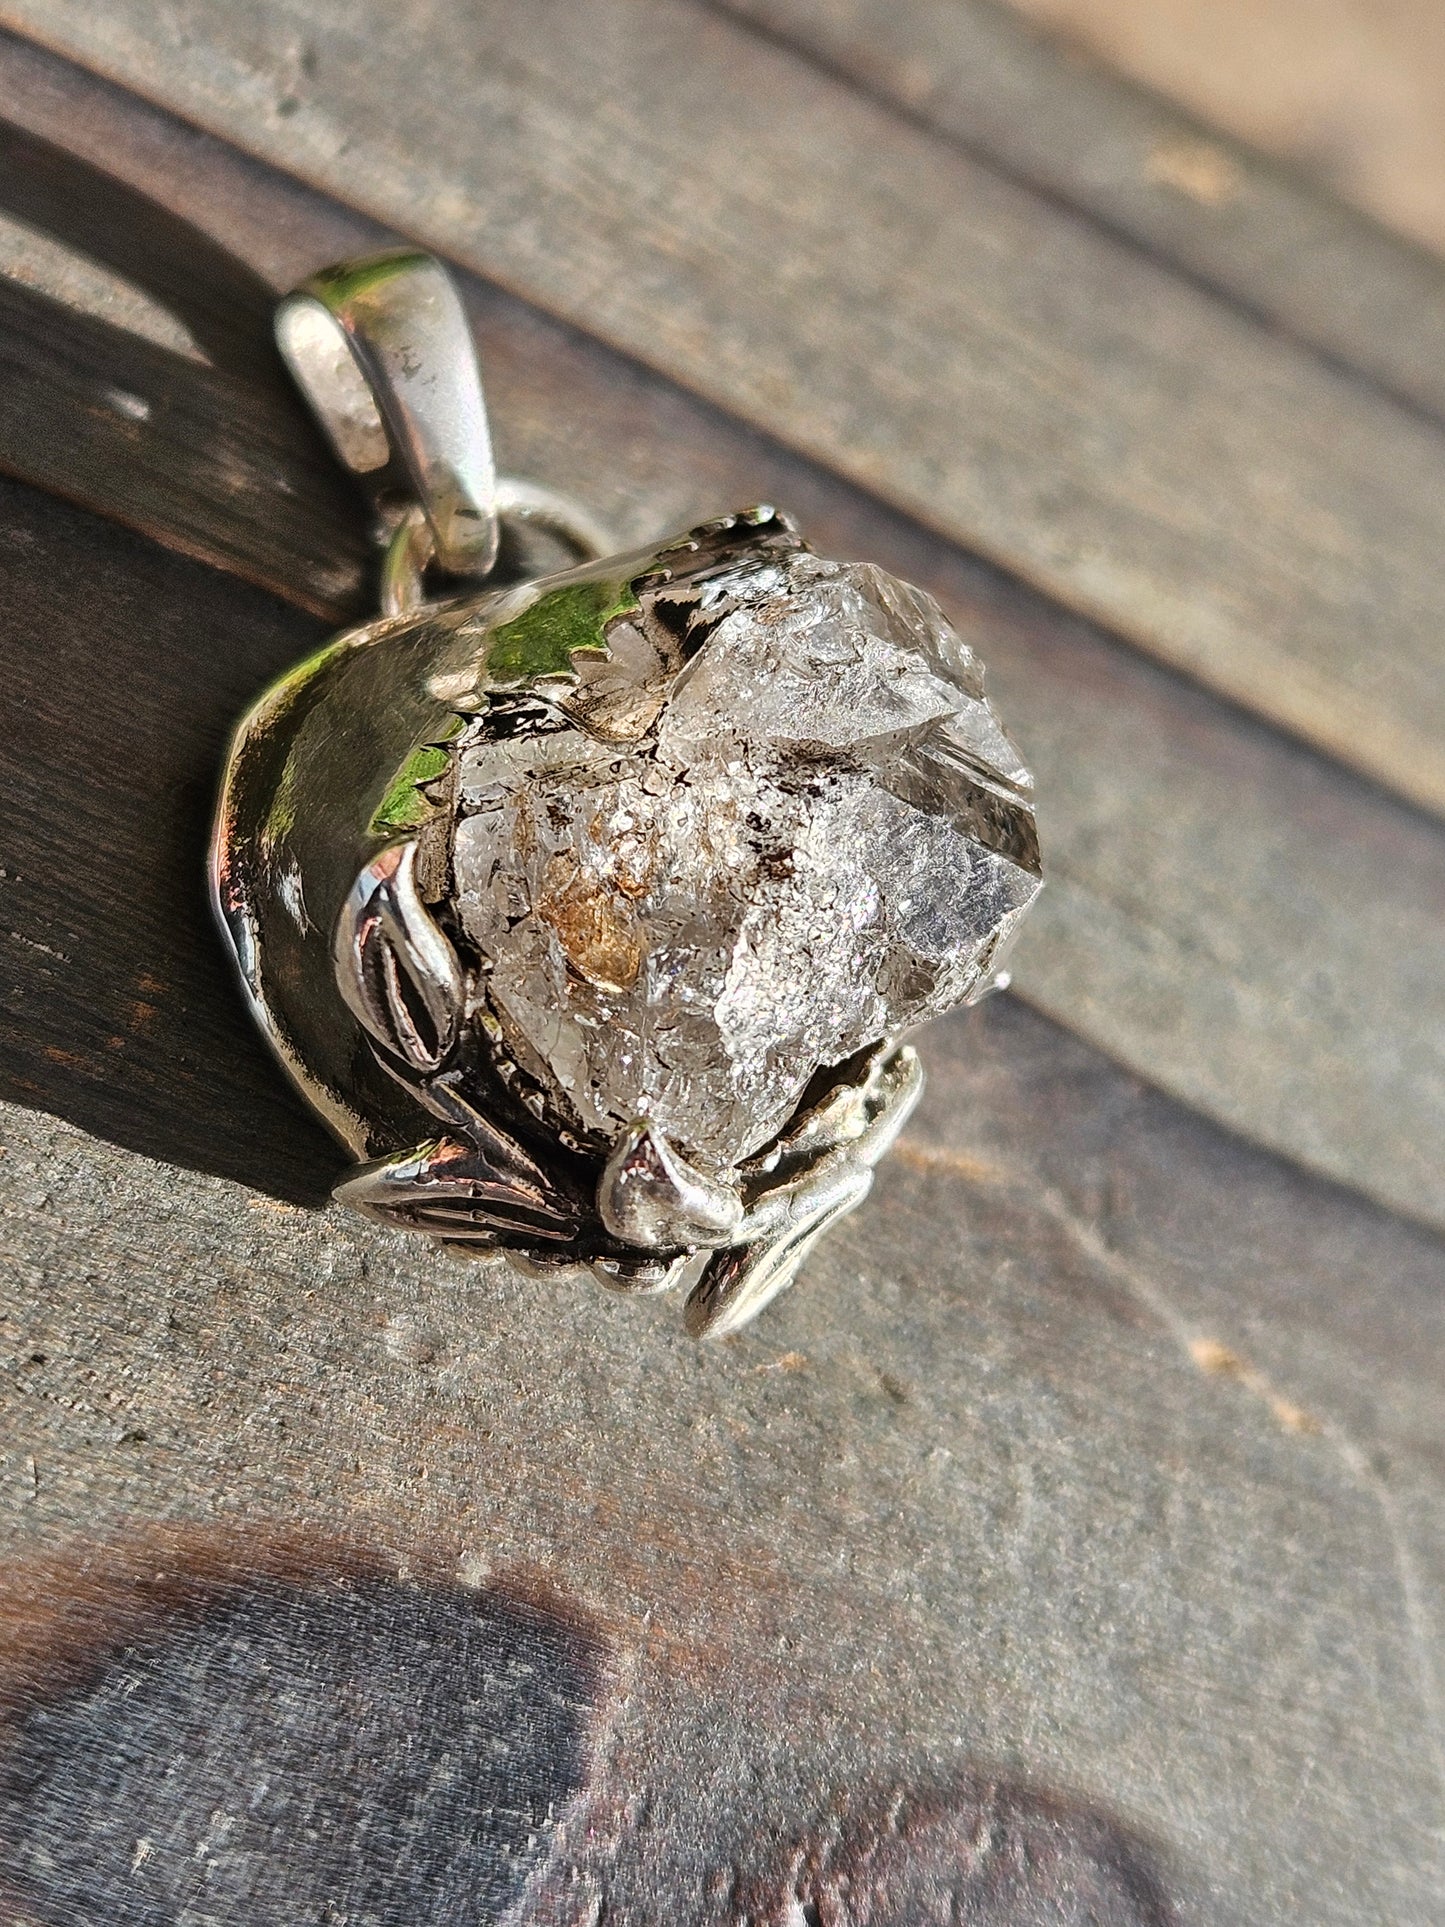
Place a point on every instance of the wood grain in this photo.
(101, 417)
(821, 266)
(1352, 95)
(1097, 1459)
(1242, 225)
(1289, 990)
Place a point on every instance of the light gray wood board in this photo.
(1240, 223)
(970, 351)
(1112, 1467)
(1229, 915)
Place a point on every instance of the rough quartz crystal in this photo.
(777, 824)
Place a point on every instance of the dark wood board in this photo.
(126, 669)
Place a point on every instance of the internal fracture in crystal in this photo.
(775, 823)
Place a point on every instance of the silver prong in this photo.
(652, 1197)
(893, 1095)
(738, 1283)
(641, 1277)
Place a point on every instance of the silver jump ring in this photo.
(412, 549)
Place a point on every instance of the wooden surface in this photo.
(1253, 233)
(1066, 1547)
(1348, 91)
(1189, 969)
(881, 301)
(212, 451)
(1097, 1462)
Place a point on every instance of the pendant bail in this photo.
(382, 350)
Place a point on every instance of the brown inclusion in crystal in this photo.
(595, 926)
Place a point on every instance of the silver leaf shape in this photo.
(395, 966)
(465, 1192)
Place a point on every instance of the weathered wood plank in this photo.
(973, 353)
(1098, 1460)
(1290, 991)
(177, 449)
(1240, 223)
(214, 456)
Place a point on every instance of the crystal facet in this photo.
(773, 824)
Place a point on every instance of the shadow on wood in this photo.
(223, 302)
(211, 453)
(122, 1014)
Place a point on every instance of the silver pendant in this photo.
(590, 909)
